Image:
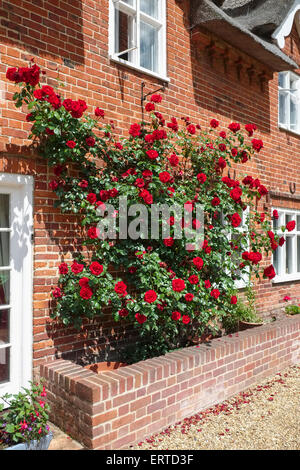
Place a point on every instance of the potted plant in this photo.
(24, 426)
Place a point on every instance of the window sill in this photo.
(286, 129)
(139, 69)
(288, 278)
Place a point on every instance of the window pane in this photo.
(298, 254)
(4, 364)
(298, 223)
(4, 248)
(4, 287)
(289, 255)
(149, 47)
(150, 7)
(4, 210)
(288, 218)
(124, 34)
(283, 108)
(129, 2)
(281, 80)
(4, 326)
(293, 110)
(276, 261)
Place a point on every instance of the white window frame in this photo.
(281, 251)
(286, 91)
(134, 50)
(20, 189)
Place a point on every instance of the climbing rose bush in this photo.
(169, 293)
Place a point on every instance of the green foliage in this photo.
(26, 418)
(244, 311)
(292, 309)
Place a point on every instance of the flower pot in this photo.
(105, 366)
(42, 444)
(244, 325)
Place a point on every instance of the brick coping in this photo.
(115, 409)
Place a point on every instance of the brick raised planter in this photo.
(118, 408)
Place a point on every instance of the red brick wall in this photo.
(116, 409)
(72, 37)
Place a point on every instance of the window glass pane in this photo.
(283, 108)
(149, 47)
(293, 110)
(129, 2)
(4, 326)
(4, 248)
(298, 254)
(4, 364)
(4, 210)
(298, 223)
(124, 33)
(289, 255)
(276, 261)
(281, 80)
(275, 224)
(150, 7)
(4, 287)
(288, 218)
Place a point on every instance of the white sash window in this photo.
(289, 101)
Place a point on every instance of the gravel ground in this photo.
(264, 417)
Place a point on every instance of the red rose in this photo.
(214, 123)
(150, 296)
(146, 196)
(236, 193)
(198, 262)
(176, 316)
(168, 241)
(132, 269)
(222, 147)
(173, 124)
(85, 293)
(255, 257)
(139, 182)
(173, 160)
(96, 268)
(189, 297)
(57, 293)
(269, 272)
(164, 177)
(140, 318)
(135, 130)
(262, 190)
(291, 225)
(83, 184)
(147, 174)
(53, 185)
(149, 107)
(185, 319)
(215, 202)
(92, 198)
(281, 241)
(99, 112)
(236, 220)
(84, 282)
(152, 154)
(191, 129)
(233, 300)
(234, 126)
(257, 144)
(201, 177)
(120, 288)
(215, 293)
(250, 128)
(275, 214)
(222, 163)
(77, 268)
(90, 141)
(222, 134)
(156, 98)
(234, 152)
(113, 192)
(193, 279)
(123, 312)
(178, 285)
(93, 232)
(71, 144)
(207, 284)
(63, 268)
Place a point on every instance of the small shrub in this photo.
(292, 310)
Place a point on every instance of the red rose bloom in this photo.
(164, 177)
(191, 129)
(150, 107)
(123, 312)
(281, 241)
(275, 214)
(120, 288)
(90, 141)
(250, 128)
(221, 163)
(99, 112)
(135, 130)
(233, 300)
(222, 147)
(201, 177)
(291, 225)
(71, 144)
(96, 268)
(152, 154)
(236, 220)
(176, 316)
(140, 318)
(63, 268)
(84, 282)
(222, 134)
(83, 184)
(257, 144)
(178, 285)
(146, 196)
(77, 268)
(255, 257)
(53, 185)
(236, 193)
(269, 272)
(234, 126)
(93, 232)
(85, 293)
(57, 293)
(92, 198)
(214, 123)
(207, 284)
(185, 319)
(215, 202)
(156, 98)
(147, 174)
(198, 262)
(189, 297)
(215, 293)
(168, 242)
(173, 160)
(193, 279)
(150, 296)
(234, 152)
(139, 182)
